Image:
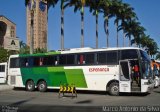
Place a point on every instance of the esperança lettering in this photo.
(98, 69)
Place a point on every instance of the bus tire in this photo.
(30, 86)
(42, 86)
(114, 89)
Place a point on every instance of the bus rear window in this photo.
(14, 62)
(2, 68)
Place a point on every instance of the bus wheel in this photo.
(42, 86)
(114, 89)
(30, 86)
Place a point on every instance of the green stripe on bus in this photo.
(54, 76)
(40, 54)
(75, 76)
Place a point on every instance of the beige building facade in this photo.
(7, 29)
(39, 25)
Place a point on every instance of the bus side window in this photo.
(102, 58)
(81, 59)
(40, 61)
(26, 63)
(36, 61)
(90, 58)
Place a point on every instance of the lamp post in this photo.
(32, 6)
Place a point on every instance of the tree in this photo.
(40, 50)
(3, 55)
(138, 32)
(94, 6)
(145, 40)
(127, 15)
(152, 47)
(116, 8)
(105, 6)
(79, 5)
(130, 29)
(24, 49)
(62, 24)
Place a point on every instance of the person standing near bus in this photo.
(155, 69)
(136, 73)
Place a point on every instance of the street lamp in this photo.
(32, 6)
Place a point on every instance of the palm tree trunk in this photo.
(96, 29)
(129, 43)
(106, 30)
(117, 34)
(62, 28)
(124, 39)
(82, 27)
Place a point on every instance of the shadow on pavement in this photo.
(21, 102)
(41, 108)
(91, 92)
(84, 101)
(135, 94)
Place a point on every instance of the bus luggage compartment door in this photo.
(125, 78)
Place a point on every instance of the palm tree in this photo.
(24, 49)
(144, 40)
(116, 8)
(62, 22)
(130, 29)
(94, 6)
(105, 5)
(137, 34)
(22, 44)
(79, 5)
(127, 15)
(152, 47)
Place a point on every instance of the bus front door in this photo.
(125, 76)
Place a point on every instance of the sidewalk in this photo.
(4, 87)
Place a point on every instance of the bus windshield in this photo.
(146, 65)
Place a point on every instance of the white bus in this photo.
(3, 72)
(107, 69)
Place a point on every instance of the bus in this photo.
(105, 69)
(3, 72)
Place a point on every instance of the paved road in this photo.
(20, 100)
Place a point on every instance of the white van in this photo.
(3, 72)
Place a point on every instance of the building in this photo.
(39, 25)
(7, 29)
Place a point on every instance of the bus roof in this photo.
(76, 50)
(88, 49)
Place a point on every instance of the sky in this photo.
(146, 10)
